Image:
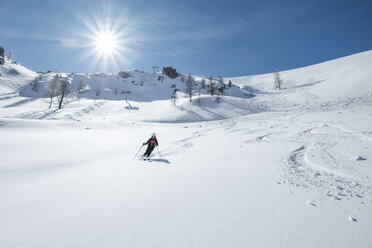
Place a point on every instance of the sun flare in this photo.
(107, 38)
(106, 43)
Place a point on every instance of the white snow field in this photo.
(286, 168)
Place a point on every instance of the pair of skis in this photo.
(147, 157)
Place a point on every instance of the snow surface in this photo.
(288, 168)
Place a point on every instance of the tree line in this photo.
(216, 88)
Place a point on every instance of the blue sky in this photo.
(229, 38)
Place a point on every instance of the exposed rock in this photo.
(124, 74)
(170, 72)
(2, 61)
(13, 72)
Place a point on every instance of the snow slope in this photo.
(344, 77)
(289, 168)
(144, 88)
(13, 76)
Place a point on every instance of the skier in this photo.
(151, 143)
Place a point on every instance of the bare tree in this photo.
(199, 100)
(190, 83)
(220, 79)
(183, 78)
(278, 81)
(98, 91)
(211, 88)
(63, 90)
(52, 89)
(202, 83)
(10, 55)
(80, 86)
(218, 98)
(221, 86)
(174, 96)
(35, 84)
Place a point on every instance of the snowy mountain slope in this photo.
(288, 168)
(144, 88)
(333, 82)
(13, 76)
(344, 77)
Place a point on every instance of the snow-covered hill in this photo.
(328, 83)
(144, 88)
(286, 168)
(344, 77)
(13, 76)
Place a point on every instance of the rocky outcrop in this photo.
(2, 61)
(170, 72)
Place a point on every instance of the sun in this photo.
(106, 43)
(109, 39)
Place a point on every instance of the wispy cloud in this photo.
(12, 33)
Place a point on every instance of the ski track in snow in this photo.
(52, 114)
(181, 145)
(323, 159)
(322, 162)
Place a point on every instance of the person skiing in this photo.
(151, 143)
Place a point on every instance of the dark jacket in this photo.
(152, 142)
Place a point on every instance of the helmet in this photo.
(153, 135)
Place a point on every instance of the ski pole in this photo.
(138, 152)
(158, 151)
